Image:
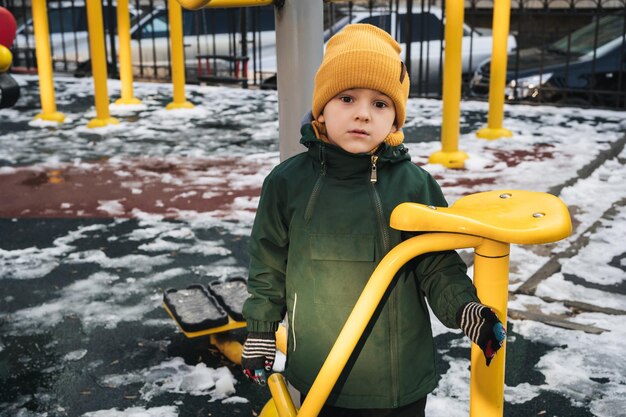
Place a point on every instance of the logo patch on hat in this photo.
(402, 72)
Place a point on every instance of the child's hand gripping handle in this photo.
(258, 355)
(483, 327)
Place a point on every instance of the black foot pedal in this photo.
(231, 294)
(194, 309)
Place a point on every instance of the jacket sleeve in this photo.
(269, 244)
(442, 276)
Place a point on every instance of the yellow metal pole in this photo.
(280, 395)
(44, 64)
(199, 4)
(98, 65)
(449, 155)
(491, 278)
(365, 306)
(126, 64)
(497, 77)
(178, 56)
(232, 349)
(269, 409)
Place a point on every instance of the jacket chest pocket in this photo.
(341, 266)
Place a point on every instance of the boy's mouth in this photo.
(359, 132)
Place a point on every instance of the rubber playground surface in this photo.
(95, 224)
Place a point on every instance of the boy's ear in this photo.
(394, 128)
(320, 118)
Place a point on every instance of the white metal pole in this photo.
(299, 49)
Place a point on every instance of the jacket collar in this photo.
(338, 163)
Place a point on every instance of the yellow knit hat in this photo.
(363, 56)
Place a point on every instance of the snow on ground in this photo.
(82, 305)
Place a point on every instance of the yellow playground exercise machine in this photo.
(488, 222)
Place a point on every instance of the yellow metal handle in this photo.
(366, 305)
(280, 395)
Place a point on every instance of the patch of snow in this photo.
(163, 411)
(75, 355)
(174, 376)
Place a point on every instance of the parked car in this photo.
(69, 36)
(427, 41)
(581, 69)
(207, 33)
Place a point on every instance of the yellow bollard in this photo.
(126, 64)
(449, 155)
(497, 77)
(98, 65)
(44, 64)
(199, 4)
(491, 279)
(178, 56)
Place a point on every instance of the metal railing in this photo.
(560, 51)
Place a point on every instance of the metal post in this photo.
(449, 155)
(98, 65)
(497, 77)
(491, 279)
(44, 64)
(126, 64)
(178, 56)
(299, 49)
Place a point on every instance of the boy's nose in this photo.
(362, 113)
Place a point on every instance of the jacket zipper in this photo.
(379, 206)
(308, 212)
(374, 173)
(393, 308)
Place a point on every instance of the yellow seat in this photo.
(511, 216)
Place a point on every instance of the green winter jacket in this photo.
(321, 228)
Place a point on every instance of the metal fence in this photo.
(570, 52)
(221, 45)
(560, 51)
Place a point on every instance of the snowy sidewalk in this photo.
(96, 223)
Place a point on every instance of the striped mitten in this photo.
(258, 356)
(482, 326)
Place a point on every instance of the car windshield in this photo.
(584, 40)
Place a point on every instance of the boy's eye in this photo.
(346, 99)
(380, 104)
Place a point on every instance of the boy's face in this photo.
(359, 119)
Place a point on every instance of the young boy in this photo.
(322, 226)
